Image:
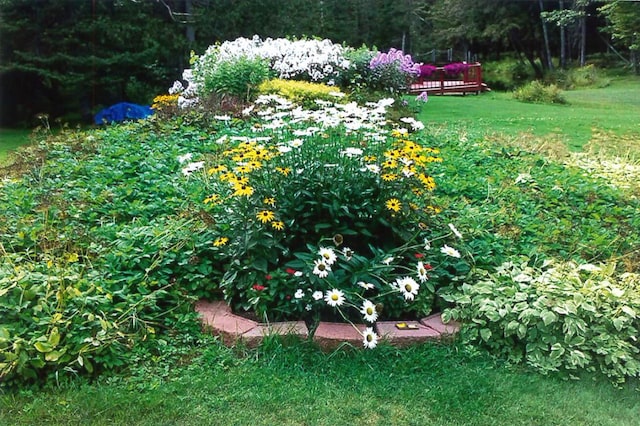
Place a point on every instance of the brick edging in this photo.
(218, 318)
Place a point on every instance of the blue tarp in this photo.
(121, 112)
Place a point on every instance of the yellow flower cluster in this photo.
(406, 163)
(240, 162)
(300, 91)
(162, 101)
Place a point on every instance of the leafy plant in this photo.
(239, 77)
(563, 316)
(537, 92)
(301, 92)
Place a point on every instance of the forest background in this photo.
(70, 58)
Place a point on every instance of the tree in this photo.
(68, 57)
(624, 26)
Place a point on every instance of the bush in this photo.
(506, 74)
(238, 77)
(587, 76)
(562, 317)
(310, 191)
(301, 92)
(537, 92)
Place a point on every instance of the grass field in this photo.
(297, 385)
(613, 109)
(10, 139)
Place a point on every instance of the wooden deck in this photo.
(439, 83)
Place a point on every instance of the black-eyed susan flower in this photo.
(265, 216)
(242, 190)
(270, 201)
(277, 225)
(220, 241)
(393, 204)
(388, 177)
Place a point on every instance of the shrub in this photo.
(392, 71)
(537, 92)
(301, 92)
(238, 77)
(587, 76)
(290, 190)
(506, 74)
(563, 316)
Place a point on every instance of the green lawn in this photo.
(613, 109)
(425, 385)
(10, 139)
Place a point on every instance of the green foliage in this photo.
(582, 77)
(562, 317)
(537, 92)
(507, 74)
(239, 77)
(275, 204)
(301, 92)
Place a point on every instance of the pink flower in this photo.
(258, 287)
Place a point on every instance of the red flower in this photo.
(419, 255)
(268, 277)
(258, 287)
(428, 267)
(290, 271)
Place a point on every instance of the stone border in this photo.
(217, 318)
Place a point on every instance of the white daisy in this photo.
(320, 268)
(299, 294)
(408, 286)
(334, 297)
(455, 231)
(369, 311)
(373, 168)
(450, 251)
(422, 272)
(366, 286)
(369, 338)
(328, 255)
(348, 253)
(388, 260)
(317, 295)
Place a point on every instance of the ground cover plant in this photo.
(329, 212)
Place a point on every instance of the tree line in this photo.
(70, 57)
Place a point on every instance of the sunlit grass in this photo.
(614, 109)
(298, 385)
(11, 139)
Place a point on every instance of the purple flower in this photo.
(398, 58)
(422, 97)
(426, 70)
(455, 68)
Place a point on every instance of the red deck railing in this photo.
(441, 80)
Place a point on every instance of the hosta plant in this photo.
(561, 317)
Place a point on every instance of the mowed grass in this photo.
(614, 109)
(11, 139)
(298, 385)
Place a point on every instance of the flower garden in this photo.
(290, 179)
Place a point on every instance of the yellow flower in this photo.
(389, 164)
(369, 158)
(389, 176)
(394, 204)
(285, 171)
(270, 201)
(265, 216)
(243, 169)
(278, 224)
(428, 182)
(220, 241)
(254, 164)
(215, 199)
(217, 169)
(243, 190)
